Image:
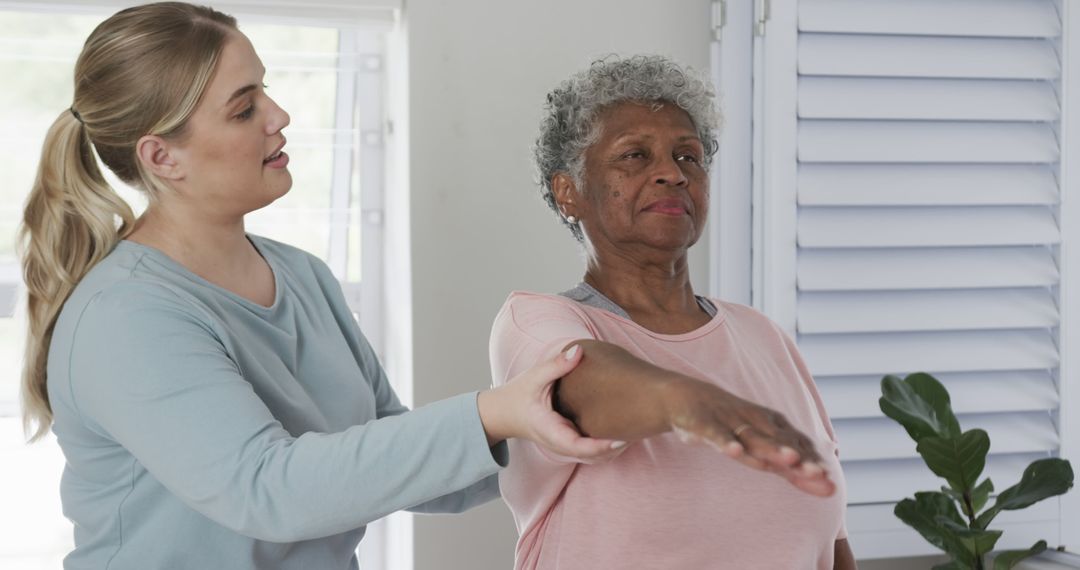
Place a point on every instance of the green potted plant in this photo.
(956, 519)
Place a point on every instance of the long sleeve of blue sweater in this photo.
(203, 430)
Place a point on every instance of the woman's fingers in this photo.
(800, 467)
(796, 439)
(548, 371)
(763, 440)
(745, 436)
(561, 437)
(769, 435)
(546, 426)
(554, 368)
(820, 486)
(763, 451)
(777, 449)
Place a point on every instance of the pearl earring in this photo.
(571, 219)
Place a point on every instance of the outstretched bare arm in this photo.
(615, 395)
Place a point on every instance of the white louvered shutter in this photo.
(909, 198)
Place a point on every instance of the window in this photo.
(908, 165)
(326, 66)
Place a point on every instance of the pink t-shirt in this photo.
(664, 504)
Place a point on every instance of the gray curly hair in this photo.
(569, 125)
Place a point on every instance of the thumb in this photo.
(566, 361)
(548, 371)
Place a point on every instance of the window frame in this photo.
(1069, 337)
(360, 137)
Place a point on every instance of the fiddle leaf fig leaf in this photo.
(976, 540)
(958, 460)
(926, 513)
(1009, 558)
(952, 494)
(1042, 479)
(920, 404)
(980, 494)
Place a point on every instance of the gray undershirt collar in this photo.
(588, 295)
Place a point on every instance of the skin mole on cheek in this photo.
(616, 194)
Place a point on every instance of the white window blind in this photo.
(907, 191)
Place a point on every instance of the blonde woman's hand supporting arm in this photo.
(523, 408)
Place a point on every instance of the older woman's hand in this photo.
(757, 436)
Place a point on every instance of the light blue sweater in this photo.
(204, 431)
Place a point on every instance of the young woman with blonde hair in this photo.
(214, 399)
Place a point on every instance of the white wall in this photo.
(479, 71)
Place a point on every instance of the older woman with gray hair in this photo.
(623, 157)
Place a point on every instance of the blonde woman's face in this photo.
(231, 154)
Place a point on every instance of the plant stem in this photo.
(969, 510)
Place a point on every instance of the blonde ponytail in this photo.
(70, 223)
(141, 71)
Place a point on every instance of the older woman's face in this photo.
(645, 185)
